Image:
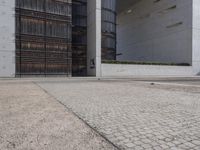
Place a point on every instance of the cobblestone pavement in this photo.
(133, 115)
(30, 119)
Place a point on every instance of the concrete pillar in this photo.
(196, 37)
(94, 38)
(7, 38)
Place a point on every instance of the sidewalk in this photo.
(31, 119)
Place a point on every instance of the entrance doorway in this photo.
(43, 37)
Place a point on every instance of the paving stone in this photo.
(175, 148)
(164, 146)
(158, 148)
(138, 143)
(177, 142)
(130, 145)
(134, 114)
(197, 148)
(170, 144)
(138, 148)
(145, 146)
(182, 146)
(196, 142)
(189, 144)
(146, 141)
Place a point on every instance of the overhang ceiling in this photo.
(124, 4)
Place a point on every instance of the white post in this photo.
(94, 38)
(196, 37)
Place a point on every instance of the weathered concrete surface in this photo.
(156, 32)
(125, 70)
(135, 115)
(7, 38)
(30, 119)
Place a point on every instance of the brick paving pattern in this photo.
(134, 116)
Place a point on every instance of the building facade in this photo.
(76, 37)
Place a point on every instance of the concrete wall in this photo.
(7, 38)
(94, 37)
(157, 31)
(117, 70)
(196, 36)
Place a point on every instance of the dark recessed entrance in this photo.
(79, 37)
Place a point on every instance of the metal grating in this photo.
(79, 37)
(43, 37)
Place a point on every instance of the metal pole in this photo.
(45, 40)
(20, 43)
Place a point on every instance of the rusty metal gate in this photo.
(43, 37)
